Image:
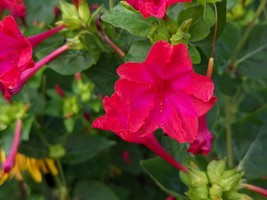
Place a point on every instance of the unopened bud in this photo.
(198, 193)
(215, 170)
(230, 179)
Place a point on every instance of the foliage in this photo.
(60, 102)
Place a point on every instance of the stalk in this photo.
(151, 143)
(9, 162)
(256, 189)
(37, 39)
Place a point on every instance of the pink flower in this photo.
(16, 55)
(163, 92)
(156, 8)
(16, 8)
(202, 144)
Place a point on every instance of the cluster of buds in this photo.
(217, 183)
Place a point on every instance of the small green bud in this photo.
(70, 15)
(56, 151)
(83, 11)
(215, 192)
(182, 35)
(230, 179)
(197, 177)
(215, 169)
(198, 193)
(70, 106)
(184, 178)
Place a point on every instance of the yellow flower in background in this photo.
(35, 167)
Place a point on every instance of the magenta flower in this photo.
(16, 8)
(156, 8)
(161, 93)
(202, 144)
(16, 54)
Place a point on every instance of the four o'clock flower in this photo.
(16, 8)
(156, 8)
(164, 93)
(16, 62)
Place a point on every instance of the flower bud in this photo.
(215, 169)
(83, 11)
(70, 15)
(198, 193)
(215, 192)
(57, 151)
(230, 179)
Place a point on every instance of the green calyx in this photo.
(217, 183)
(74, 18)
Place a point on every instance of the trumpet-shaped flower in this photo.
(163, 92)
(156, 8)
(16, 55)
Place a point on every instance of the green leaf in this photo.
(93, 45)
(194, 54)
(122, 17)
(72, 62)
(165, 176)
(80, 147)
(93, 190)
(138, 51)
(104, 75)
(254, 162)
(40, 11)
(226, 44)
(252, 62)
(202, 21)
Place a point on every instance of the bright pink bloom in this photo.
(10, 161)
(162, 92)
(202, 144)
(16, 54)
(16, 8)
(156, 8)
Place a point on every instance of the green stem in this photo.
(111, 4)
(63, 192)
(246, 34)
(228, 122)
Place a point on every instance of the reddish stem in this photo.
(36, 39)
(26, 75)
(10, 161)
(254, 188)
(106, 38)
(151, 142)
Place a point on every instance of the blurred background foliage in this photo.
(97, 165)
